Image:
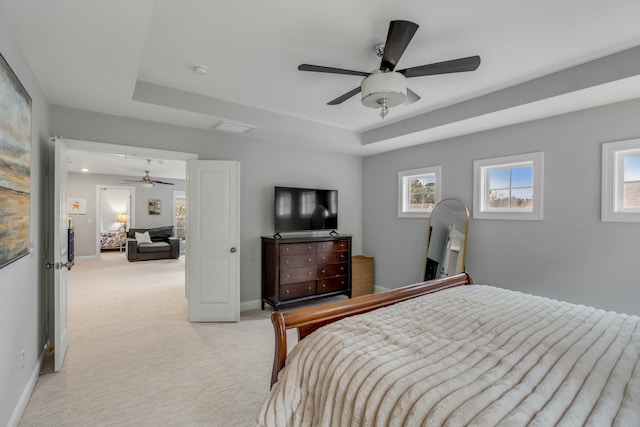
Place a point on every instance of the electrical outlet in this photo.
(22, 360)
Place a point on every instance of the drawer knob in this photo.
(323, 271)
(287, 290)
(310, 273)
(324, 258)
(287, 261)
(309, 288)
(324, 286)
(288, 276)
(309, 247)
(286, 249)
(309, 259)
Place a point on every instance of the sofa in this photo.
(163, 244)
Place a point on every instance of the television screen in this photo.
(304, 209)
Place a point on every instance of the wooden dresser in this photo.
(305, 268)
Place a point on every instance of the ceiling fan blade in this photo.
(321, 69)
(398, 38)
(132, 180)
(459, 65)
(411, 97)
(161, 182)
(341, 99)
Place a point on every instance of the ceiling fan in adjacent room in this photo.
(385, 87)
(147, 182)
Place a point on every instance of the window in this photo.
(508, 187)
(418, 191)
(621, 181)
(180, 214)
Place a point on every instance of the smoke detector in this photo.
(200, 69)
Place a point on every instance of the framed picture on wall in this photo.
(77, 205)
(15, 166)
(154, 207)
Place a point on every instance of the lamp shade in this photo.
(122, 218)
(378, 86)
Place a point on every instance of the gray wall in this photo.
(86, 226)
(22, 289)
(262, 166)
(570, 255)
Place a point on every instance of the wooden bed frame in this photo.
(307, 320)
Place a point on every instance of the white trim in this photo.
(18, 410)
(480, 187)
(250, 305)
(613, 154)
(402, 196)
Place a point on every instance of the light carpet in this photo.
(135, 360)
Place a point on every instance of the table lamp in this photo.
(122, 219)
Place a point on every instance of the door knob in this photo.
(233, 250)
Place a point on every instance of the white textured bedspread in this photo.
(467, 356)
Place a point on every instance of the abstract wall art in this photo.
(15, 166)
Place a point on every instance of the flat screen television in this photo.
(305, 209)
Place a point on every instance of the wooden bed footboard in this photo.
(307, 320)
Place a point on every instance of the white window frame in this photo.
(613, 154)
(481, 187)
(404, 211)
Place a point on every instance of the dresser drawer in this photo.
(297, 248)
(299, 274)
(331, 270)
(287, 261)
(332, 285)
(298, 290)
(331, 257)
(338, 245)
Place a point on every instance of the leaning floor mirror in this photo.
(446, 239)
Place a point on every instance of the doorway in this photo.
(115, 211)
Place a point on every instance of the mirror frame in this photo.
(466, 233)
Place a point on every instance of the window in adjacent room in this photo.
(621, 181)
(180, 214)
(418, 191)
(508, 187)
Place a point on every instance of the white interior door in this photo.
(58, 251)
(213, 237)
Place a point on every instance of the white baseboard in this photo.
(250, 305)
(26, 392)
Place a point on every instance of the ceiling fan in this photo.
(148, 182)
(384, 87)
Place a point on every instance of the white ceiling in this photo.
(125, 165)
(134, 58)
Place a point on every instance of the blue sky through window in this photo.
(632, 168)
(520, 177)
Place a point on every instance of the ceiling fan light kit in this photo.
(146, 184)
(386, 88)
(383, 91)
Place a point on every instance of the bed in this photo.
(112, 240)
(443, 353)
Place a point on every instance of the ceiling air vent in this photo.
(232, 127)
